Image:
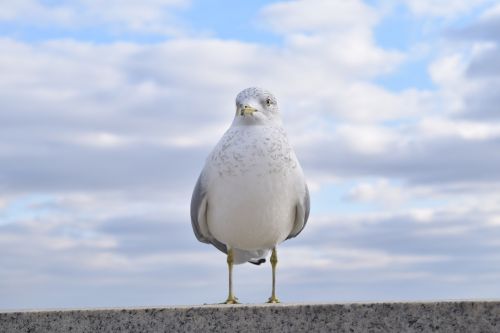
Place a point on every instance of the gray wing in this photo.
(199, 206)
(301, 214)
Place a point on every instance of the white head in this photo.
(256, 106)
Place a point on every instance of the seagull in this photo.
(251, 194)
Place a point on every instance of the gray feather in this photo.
(302, 210)
(199, 205)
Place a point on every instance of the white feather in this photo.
(254, 181)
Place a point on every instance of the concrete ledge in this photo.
(458, 316)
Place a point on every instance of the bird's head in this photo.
(256, 106)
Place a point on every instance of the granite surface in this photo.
(456, 316)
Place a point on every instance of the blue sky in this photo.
(109, 108)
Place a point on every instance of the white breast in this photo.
(252, 175)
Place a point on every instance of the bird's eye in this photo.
(268, 101)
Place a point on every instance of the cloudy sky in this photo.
(109, 108)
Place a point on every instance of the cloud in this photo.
(113, 108)
(127, 249)
(484, 29)
(446, 9)
(32, 8)
(69, 258)
(318, 16)
(340, 258)
(366, 140)
(469, 68)
(446, 136)
(459, 128)
(436, 161)
(333, 35)
(116, 117)
(115, 17)
(101, 143)
(380, 191)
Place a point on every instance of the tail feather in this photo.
(257, 262)
(256, 257)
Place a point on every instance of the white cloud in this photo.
(101, 139)
(337, 258)
(364, 102)
(491, 12)
(460, 230)
(379, 191)
(366, 139)
(464, 129)
(446, 9)
(448, 70)
(3, 202)
(114, 135)
(422, 215)
(331, 36)
(114, 17)
(33, 9)
(319, 15)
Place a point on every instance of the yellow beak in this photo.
(247, 110)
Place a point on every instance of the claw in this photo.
(273, 300)
(231, 300)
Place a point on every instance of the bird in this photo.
(251, 194)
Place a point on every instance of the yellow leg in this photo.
(274, 261)
(231, 299)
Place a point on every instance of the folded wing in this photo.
(302, 209)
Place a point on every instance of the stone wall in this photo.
(458, 316)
